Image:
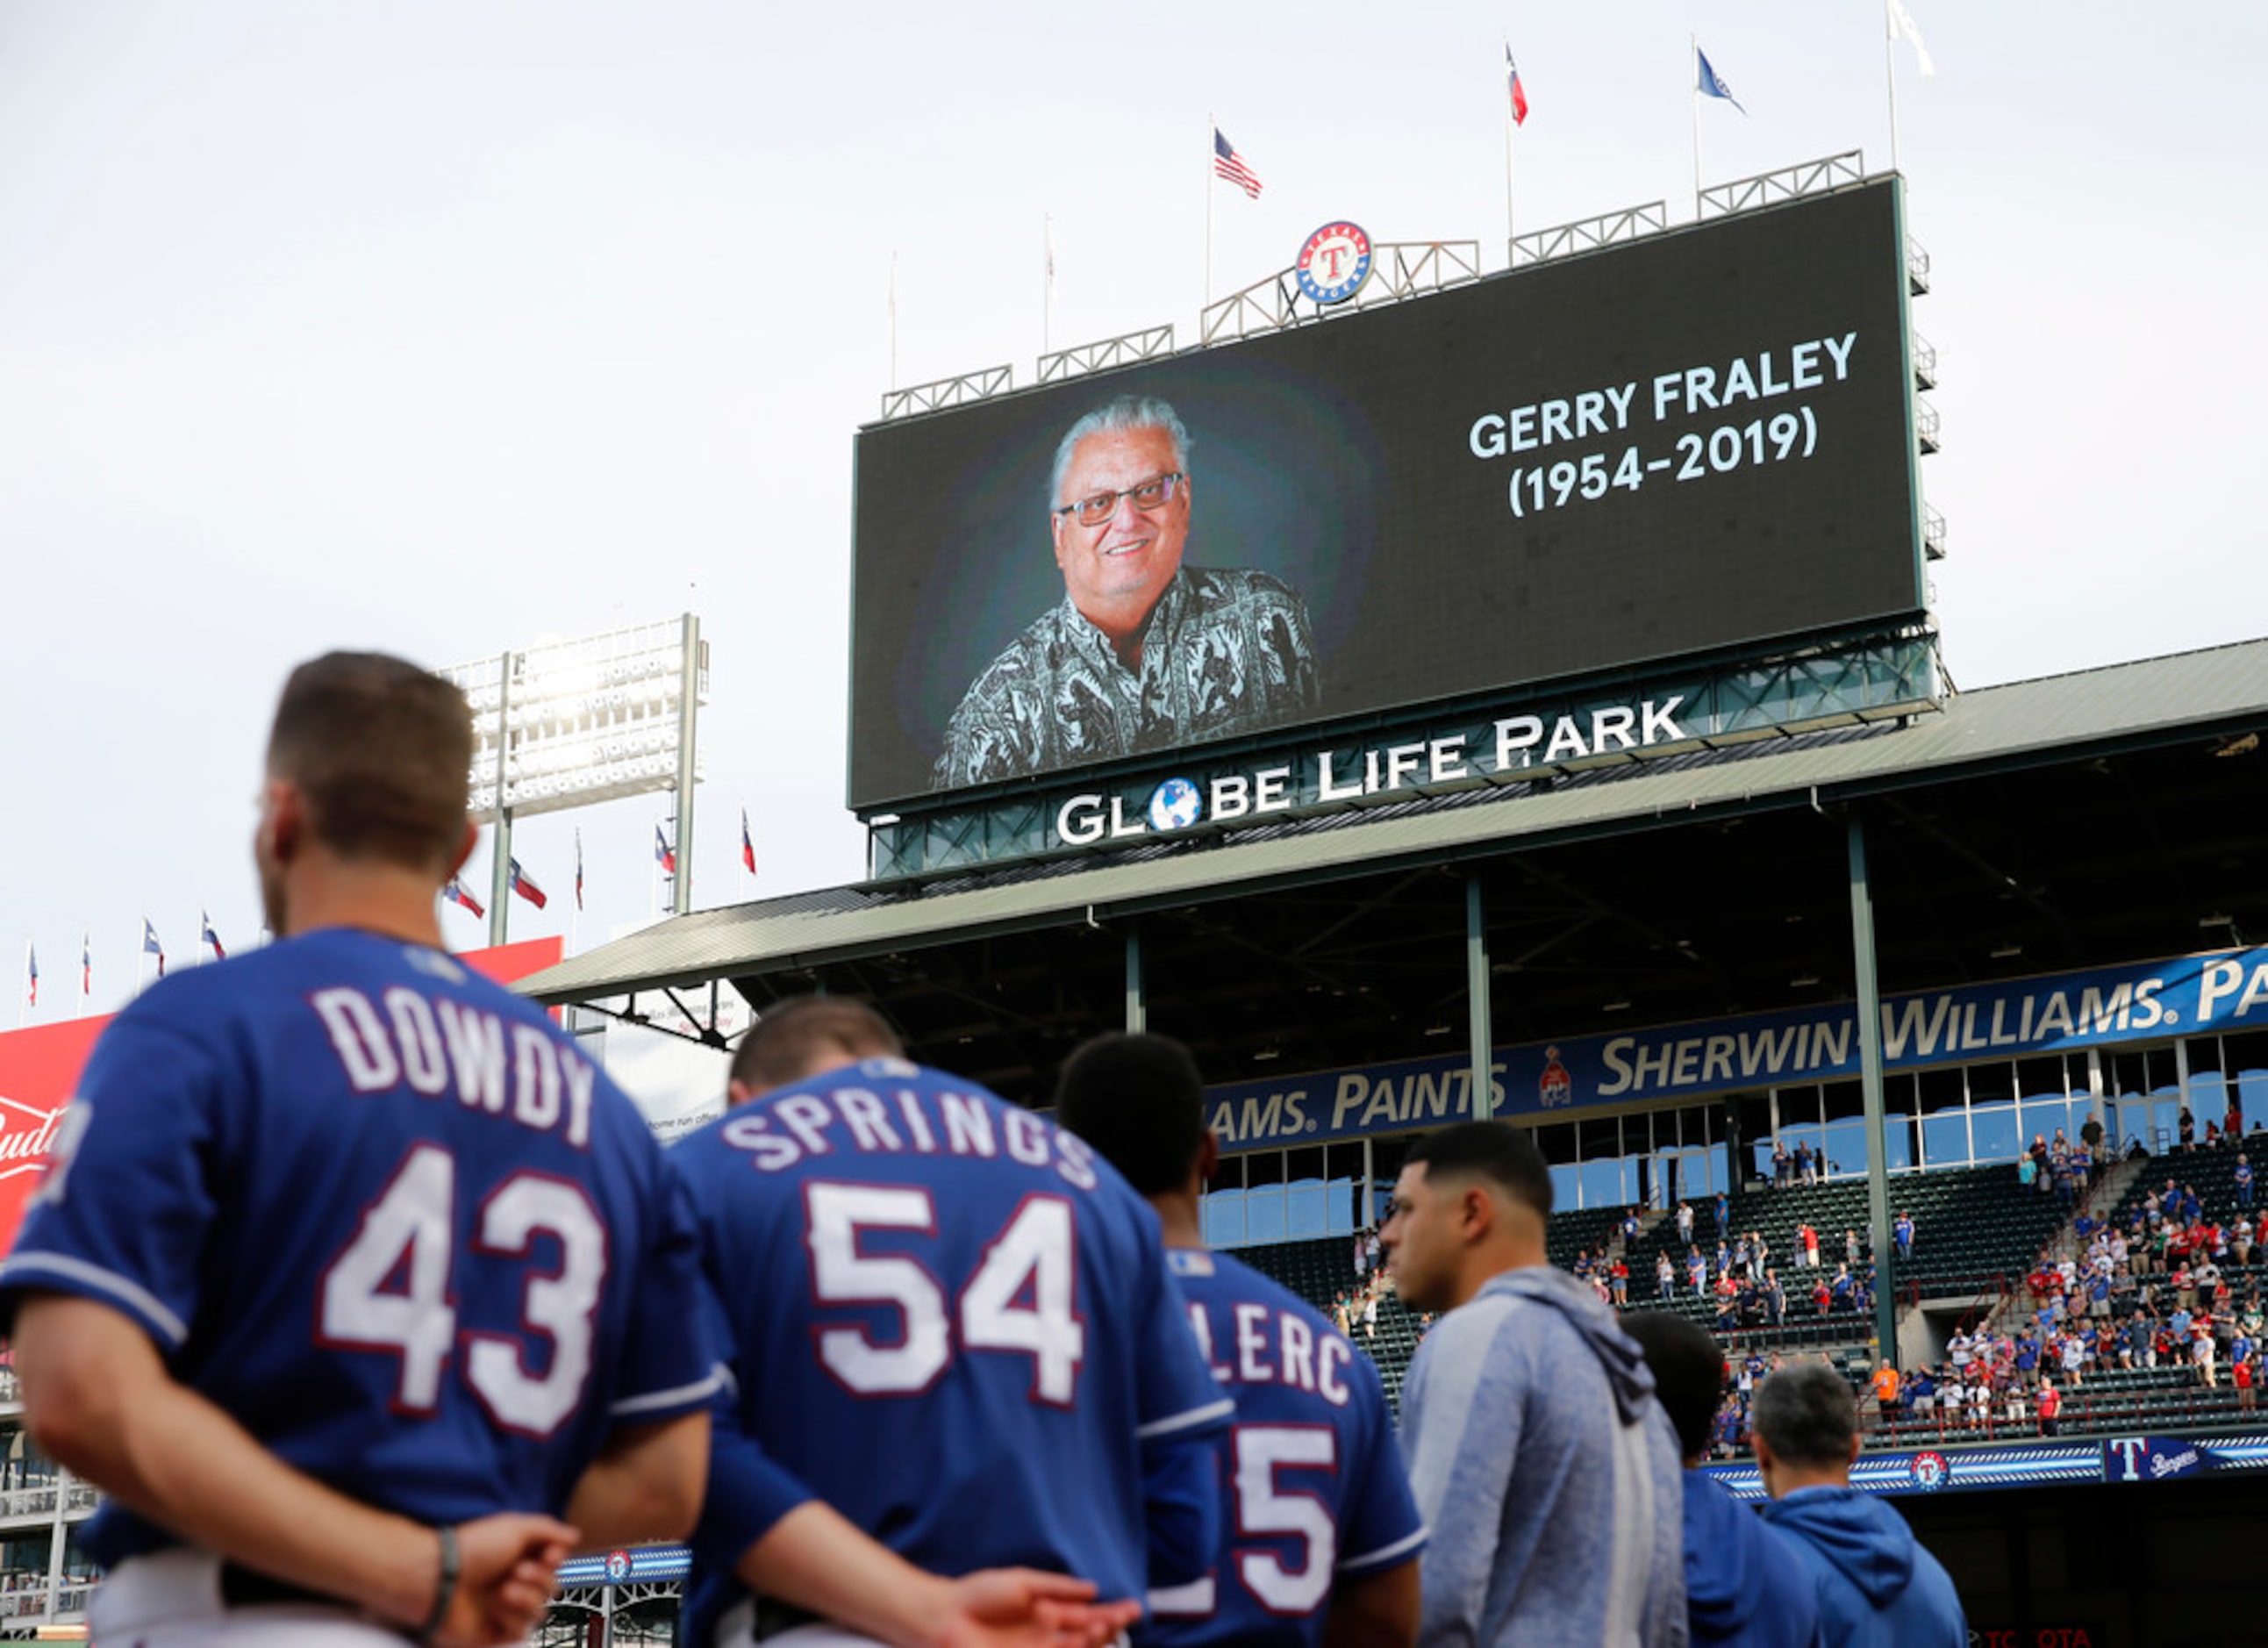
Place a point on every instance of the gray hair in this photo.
(1127, 413)
(1807, 1413)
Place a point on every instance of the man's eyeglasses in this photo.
(1148, 496)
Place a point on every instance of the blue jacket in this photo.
(1744, 1583)
(1877, 1587)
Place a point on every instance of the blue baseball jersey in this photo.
(1311, 1473)
(386, 1215)
(951, 1320)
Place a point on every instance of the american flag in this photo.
(1229, 163)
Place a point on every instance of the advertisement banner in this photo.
(2054, 1012)
(1686, 446)
(39, 1067)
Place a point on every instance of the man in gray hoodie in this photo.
(1548, 1472)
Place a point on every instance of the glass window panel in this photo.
(1897, 1144)
(1304, 1166)
(1798, 1105)
(1598, 1138)
(1944, 1137)
(1898, 1095)
(1602, 1183)
(1845, 1099)
(1755, 1111)
(2126, 1074)
(1718, 1178)
(1940, 1091)
(1224, 1219)
(1992, 1083)
(1306, 1209)
(1565, 1192)
(1263, 1214)
(2165, 1076)
(1846, 1148)
(1992, 1132)
(1227, 1174)
(1263, 1167)
(2040, 1119)
(2043, 1078)
(1558, 1143)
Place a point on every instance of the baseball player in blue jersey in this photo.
(350, 1275)
(949, 1320)
(1324, 1538)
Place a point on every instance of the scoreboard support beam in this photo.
(1870, 1080)
(1481, 1036)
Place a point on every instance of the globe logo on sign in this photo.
(1175, 805)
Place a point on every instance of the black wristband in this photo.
(445, 1589)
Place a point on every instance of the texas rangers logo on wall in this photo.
(618, 1566)
(1334, 263)
(1930, 1470)
(1555, 1087)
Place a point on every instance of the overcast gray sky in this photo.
(448, 326)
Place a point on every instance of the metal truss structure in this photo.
(1081, 358)
(1541, 246)
(1399, 270)
(935, 397)
(1813, 177)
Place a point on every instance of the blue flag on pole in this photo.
(1711, 84)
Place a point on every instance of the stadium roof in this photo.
(2212, 698)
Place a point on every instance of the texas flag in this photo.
(579, 869)
(524, 884)
(663, 854)
(32, 972)
(86, 965)
(151, 947)
(1519, 92)
(748, 844)
(210, 938)
(455, 893)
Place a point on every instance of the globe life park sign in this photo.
(573, 723)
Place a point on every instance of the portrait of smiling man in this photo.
(1143, 653)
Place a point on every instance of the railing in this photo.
(11, 1389)
(1081, 358)
(1398, 269)
(1813, 177)
(24, 1599)
(1541, 246)
(1917, 267)
(1932, 533)
(935, 397)
(28, 1501)
(1926, 426)
(1925, 363)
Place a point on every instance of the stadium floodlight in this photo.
(572, 723)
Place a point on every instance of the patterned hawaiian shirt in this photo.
(1223, 652)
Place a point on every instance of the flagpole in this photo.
(1509, 232)
(1693, 80)
(23, 1003)
(1890, 76)
(1047, 287)
(893, 320)
(1212, 127)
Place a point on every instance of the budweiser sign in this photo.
(27, 1132)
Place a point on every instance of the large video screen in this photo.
(1696, 442)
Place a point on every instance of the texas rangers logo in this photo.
(1334, 263)
(1930, 1470)
(618, 1566)
(1555, 1087)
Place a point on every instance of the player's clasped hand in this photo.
(1005, 1608)
(509, 1570)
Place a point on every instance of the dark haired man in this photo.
(953, 1323)
(1877, 1587)
(1546, 1471)
(1744, 1584)
(1323, 1533)
(347, 1258)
